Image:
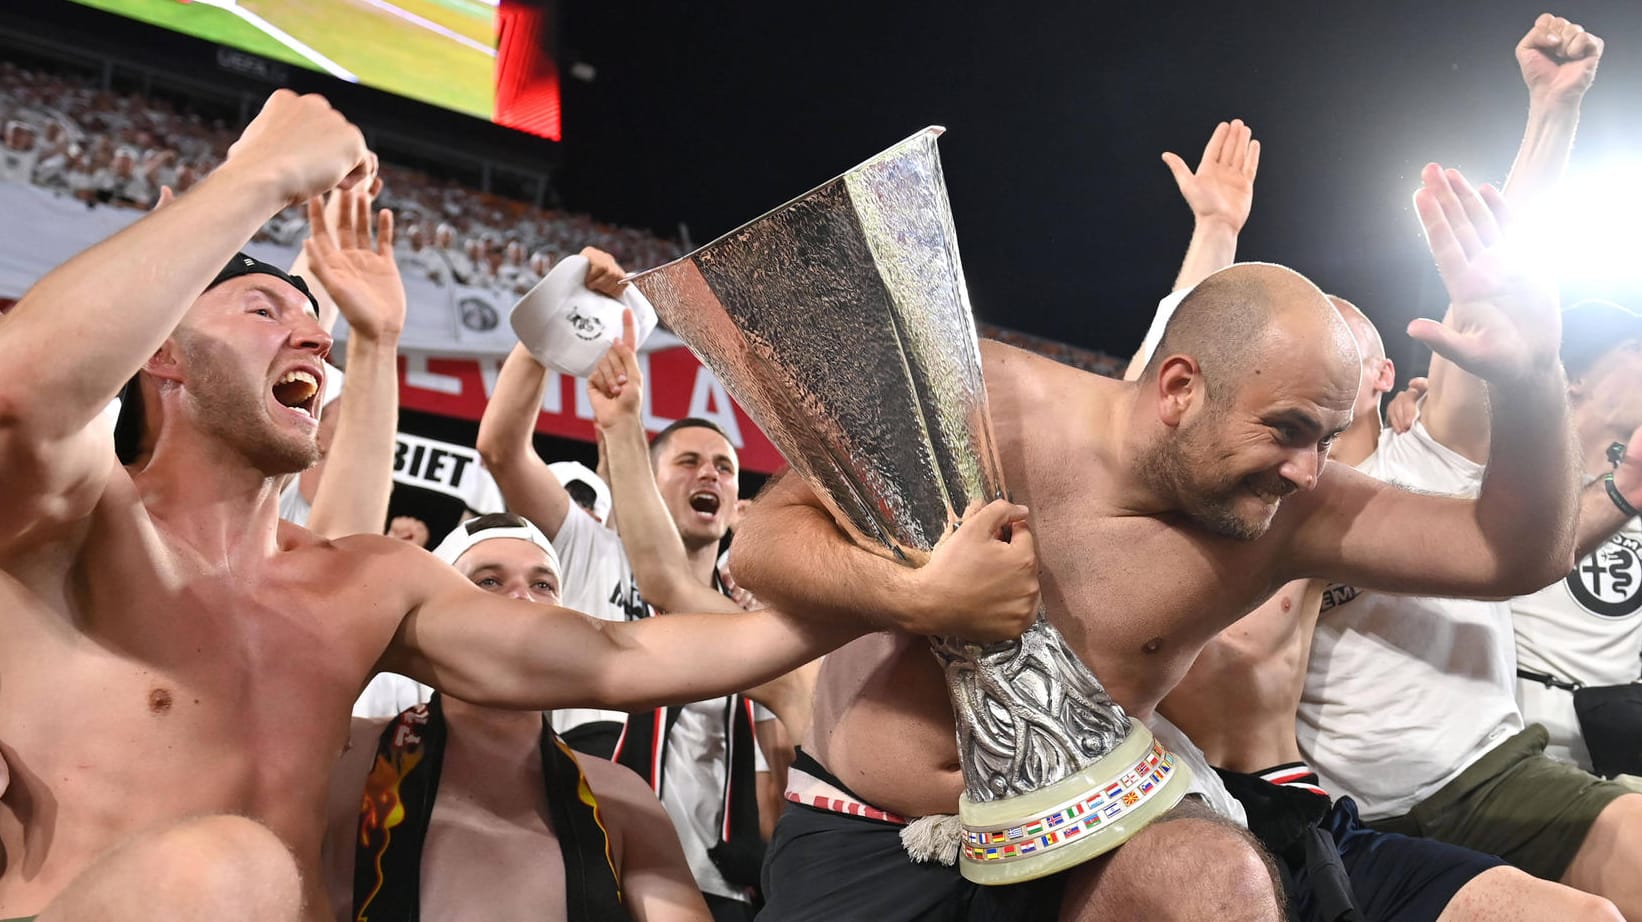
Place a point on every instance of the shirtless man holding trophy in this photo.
(1159, 509)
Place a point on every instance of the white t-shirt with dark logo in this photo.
(1402, 694)
(1585, 628)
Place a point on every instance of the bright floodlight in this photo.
(1591, 231)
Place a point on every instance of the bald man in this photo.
(1163, 509)
(1238, 704)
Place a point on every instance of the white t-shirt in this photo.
(17, 165)
(388, 694)
(295, 508)
(1160, 322)
(1585, 628)
(1403, 693)
(698, 759)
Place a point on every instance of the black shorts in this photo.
(829, 867)
(1387, 876)
(1400, 877)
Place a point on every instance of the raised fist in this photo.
(303, 145)
(1558, 59)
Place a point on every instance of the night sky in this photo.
(710, 113)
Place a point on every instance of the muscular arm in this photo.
(1599, 518)
(527, 486)
(500, 652)
(1557, 70)
(1516, 537)
(980, 582)
(791, 553)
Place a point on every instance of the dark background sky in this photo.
(1071, 227)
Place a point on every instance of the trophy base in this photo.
(1075, 819)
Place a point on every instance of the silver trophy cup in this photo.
(841, 323)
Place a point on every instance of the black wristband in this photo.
(1619, 498)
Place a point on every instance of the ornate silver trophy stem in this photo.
(841, 322)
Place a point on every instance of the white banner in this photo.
(443, 467)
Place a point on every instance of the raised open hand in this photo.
(1505, 321)
(1222, 189)
(361, 276)
(1558, 59)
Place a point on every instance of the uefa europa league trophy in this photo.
(841, 323)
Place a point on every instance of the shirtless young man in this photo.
(1238, 703)
(171, 649)
(1164, 510)
(495, 822)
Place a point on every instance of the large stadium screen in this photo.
(486, 58)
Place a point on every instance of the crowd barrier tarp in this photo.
(452, 348)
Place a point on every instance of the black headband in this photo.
(250, 265)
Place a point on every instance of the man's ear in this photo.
(165, 363)
(1386, 381)
(1180, 386)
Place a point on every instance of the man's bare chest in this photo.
(478, 865)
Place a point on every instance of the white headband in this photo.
(461, 540)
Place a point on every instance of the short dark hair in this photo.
(582, 494)
(491, 520)
(128, 423)
(688, 422)
(1220, 324)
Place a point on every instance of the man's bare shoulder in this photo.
(623, 795)
(392, 575)
(360, 549)
(605, 775)
(1021, 369)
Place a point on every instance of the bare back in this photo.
(143, 685)
(1136, 596)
